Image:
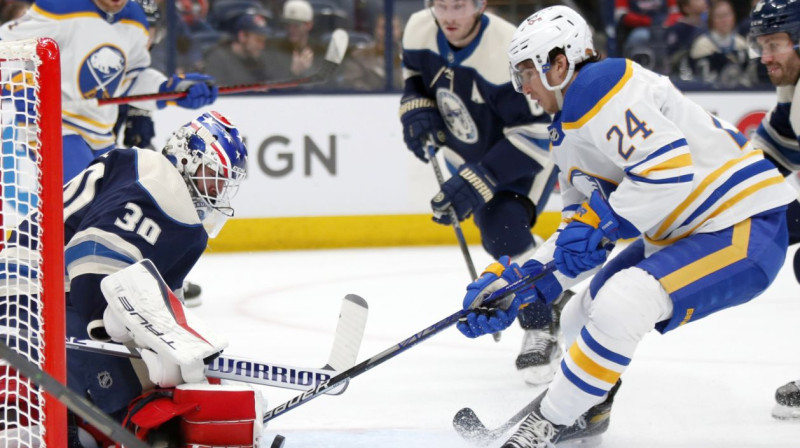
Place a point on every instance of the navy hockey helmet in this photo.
(772, 17)
(211, 156)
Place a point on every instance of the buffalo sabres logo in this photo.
(104, 379)
(101, 72)
(456, 116)
(586, 183)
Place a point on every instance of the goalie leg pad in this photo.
(139, 300)
(224, 415)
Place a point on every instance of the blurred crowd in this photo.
(700, 44)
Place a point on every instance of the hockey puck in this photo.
(277, 442)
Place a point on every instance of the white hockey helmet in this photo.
(549, 28)
(211, 156)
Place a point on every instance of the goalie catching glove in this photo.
(485, 318)
(175, 345)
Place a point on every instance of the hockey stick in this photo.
(471, 428)
(333, 57)
(346, 344)
(403, 345)
(462, 242)
(76, 403)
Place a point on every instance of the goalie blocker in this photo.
(174, 344)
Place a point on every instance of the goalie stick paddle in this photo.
(333, 57)
(346, 344)
(402, 346)
(76, 403)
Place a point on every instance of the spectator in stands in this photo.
(295, 55)
(13, 10)
(365, 68)
(685, 30)
(719, 55)
(241, 60)
(638, 19)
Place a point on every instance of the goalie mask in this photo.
(772, 17)
(210, 155)
(548, 29)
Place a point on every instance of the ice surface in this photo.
(708, 384)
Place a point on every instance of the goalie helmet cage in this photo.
(32, 270)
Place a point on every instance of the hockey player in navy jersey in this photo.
(640, 161)
(459, 94)
(127, 206)
(104, 53)
(774, 38)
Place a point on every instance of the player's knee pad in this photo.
(505, 224)
(629, 305)
(204, 415)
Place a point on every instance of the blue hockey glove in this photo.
(421, 119)
(139, 128)
(469, 189)
(21, 88)
(200, 89)
(586, 241)
(484, 319)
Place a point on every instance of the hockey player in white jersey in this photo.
(774, 38)
(104, 53)
(637, 160)
(458, 94)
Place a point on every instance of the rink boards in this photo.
(331, 171)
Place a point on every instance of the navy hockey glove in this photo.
(484, 319)
(420, 119)
(586, 241)
(139, 128)
(469, 189)
(200, 89)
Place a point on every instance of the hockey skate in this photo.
(787, 401)
(540, 354)
(538, 432)
(191, 294)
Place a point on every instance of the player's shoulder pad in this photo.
(165, 185)
(420, 32)
(490, 58)
(594, 86)
(60, 9)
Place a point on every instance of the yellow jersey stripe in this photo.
(681, 161)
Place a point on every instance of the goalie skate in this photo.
(538, 432)
(787, 401)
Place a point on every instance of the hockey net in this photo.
(31, 260)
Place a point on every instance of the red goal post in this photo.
(32, 316)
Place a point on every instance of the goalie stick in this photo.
(333, 57)
(403, 345)
(76, 403)
(346, 344)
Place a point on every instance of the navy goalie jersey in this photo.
(127, 206)
(487, 121)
